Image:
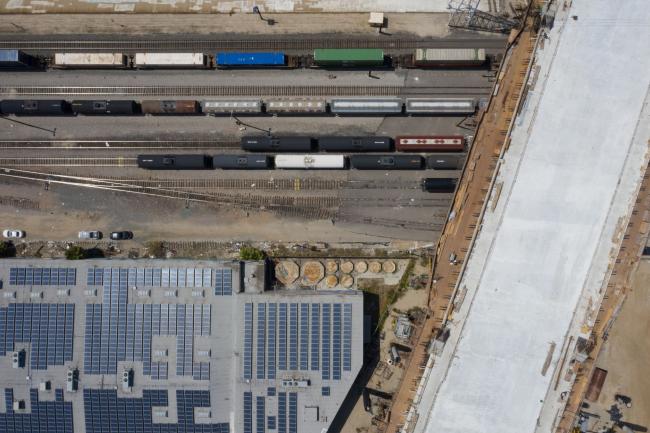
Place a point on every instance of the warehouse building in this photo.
(171, 346)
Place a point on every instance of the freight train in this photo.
(247, 106)
(297, 152)
(302, 161)
(326, 58)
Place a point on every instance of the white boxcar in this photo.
(310, 161)
(449, 56)
(370, 106)
(441, 105)
(90, 60)
(170, 60)
(232, 106)
(296, 106)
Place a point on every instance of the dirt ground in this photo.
(626, 356)
(417, 24)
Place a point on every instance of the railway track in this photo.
(298, 44)
(260, 91)
(118, 144)
(68, 162)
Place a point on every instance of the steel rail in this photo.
(118, 144)
(259, 91)
(68, 162)
(295, 44)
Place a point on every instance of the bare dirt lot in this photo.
(625, 357)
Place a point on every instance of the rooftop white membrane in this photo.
(577, 159)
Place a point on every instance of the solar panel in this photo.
(304, 336)
(336, 342)
(248, 341)
(227, 282)
(189, 277)
(261, 340)
(198, 277)
(293, 337)
(165, 277)
(293, 412)
(173, 277)
(206, 320)
(218, 282)
(325, 341)
(347, 337)
(270, 351)
(282, 412)
(325, 391)
(282, 338)
(270, 422)
(248, 412)
(44, 416)
(43, 276)
(260, 415)
(182, 276)
(315, 336)
(207, 277)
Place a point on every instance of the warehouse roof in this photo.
(570, 177)
(207, 347)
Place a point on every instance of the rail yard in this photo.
(352, 220)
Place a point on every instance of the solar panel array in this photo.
(169, 277)
(47, 327)
(223, 282)
(316, 336)
(44, 416)
(260, 415)
(118, 331)
(105, 412)
(248, 412)
(43, 276)
(282, 412)
(293, 412)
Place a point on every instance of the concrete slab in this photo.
(570, 178)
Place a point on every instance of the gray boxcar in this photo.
(366, 106)
(264, 143)
(242, 162)
(386, 162)
(354, 144)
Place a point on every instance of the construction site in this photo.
(499, 285)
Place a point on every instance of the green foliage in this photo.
(7, 249)
(251, 253)
(156, 249)
(75, 252)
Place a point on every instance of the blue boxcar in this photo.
(250, 59)
(14, 59)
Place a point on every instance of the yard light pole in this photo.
(52, 131)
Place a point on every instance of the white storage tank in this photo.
(310, 161)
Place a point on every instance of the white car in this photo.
(10, 234)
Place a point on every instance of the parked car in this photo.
(121, 235)
(11, 234)
(92, 234)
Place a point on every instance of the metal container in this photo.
(169, 107)
(264, 143)
(449, 57)
(247, 60)
(354, 144)
(441, 105)
(114, 108)
(366, 106)
(312, 161)
(34, 107)
(430, 143)
(231, 106)
(386, 162)
(441, 185)
(296, 106)
(443, 162)
(242, 162)
(354, 57)
(90, 60)
(173, 162)
(15, 59)
(170, 60)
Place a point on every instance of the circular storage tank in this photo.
(312, 273)
(331, 266)
(361, 267)
(347, 267)
(375, 267)
(347, 281)
(331, 281)
(287, 272)
(389, 267)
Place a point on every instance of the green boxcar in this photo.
(348, 57)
